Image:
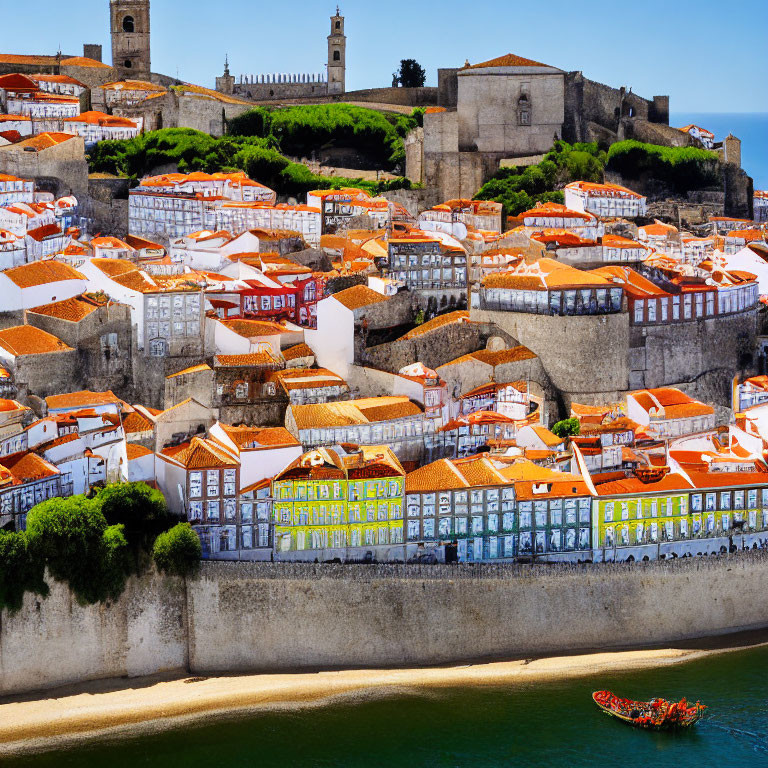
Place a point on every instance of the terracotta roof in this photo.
(199, 91)
(28, 340)
(201, 453)
(352, 412)
(136, 451)
(27, 467)
(358, 296)
(82, 61)
(74, 310)
(135, 422)
(82, 399)
(194, 369)
(297, 352)
(133, 85)
(308, 378)
(41, 273)
(451, 474)
(670, 482)
(44, 140)
(259, 438)
(254, 328)
(242, 361)
(550, 439)
(461, 316)
(101, 118)
(502, 357)
(508, 60)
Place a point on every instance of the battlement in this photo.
(283, 77)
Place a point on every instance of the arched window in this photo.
(128, 24)
(338, 25)
(127, 63)
(337, 55)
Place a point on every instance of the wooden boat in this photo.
(654, 715)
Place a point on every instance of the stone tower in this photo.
(337, 55)
(226, 83)
(131, 39)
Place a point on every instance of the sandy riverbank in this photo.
(69, 715)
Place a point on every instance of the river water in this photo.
(550, 724)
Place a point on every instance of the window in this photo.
(639, 311)
(213, 482)
(337, 55)
(127, 64)
(128, 24)
(157, 348)
(241, 390)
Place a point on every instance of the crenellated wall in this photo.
(238, 617)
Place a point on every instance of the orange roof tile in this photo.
(82, 399)
(201, 453)
(136, 451)
(28, 340)
(358, 296)
(298, 351)
(74, 310)
(461, 316)
(508, 60)
(41, 273)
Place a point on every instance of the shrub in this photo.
(567, 428)
(72, 538)
(519, 189)
(19, 571)
(301, 130)
(682, 168)
(140, 510)
(178, 551)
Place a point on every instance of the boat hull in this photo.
(654, 715)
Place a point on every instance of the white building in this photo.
(94, 127)
(707, 138)
(607, 201)
(40, 282)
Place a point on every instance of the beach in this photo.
(119, 708)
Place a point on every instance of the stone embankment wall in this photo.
(238, 617)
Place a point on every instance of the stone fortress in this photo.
(282, 85)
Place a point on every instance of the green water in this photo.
(534, 725)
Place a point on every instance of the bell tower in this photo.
(337, 55)
(131, 39)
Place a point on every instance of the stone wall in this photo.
(433, 349)
(54, 641)
(596, 359)
(238, 617)
(65, 163)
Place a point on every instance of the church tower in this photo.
(337, 55)
(131, 39)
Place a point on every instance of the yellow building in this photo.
(334, 499)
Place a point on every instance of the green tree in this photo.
(72, 538)
(567, 428)
(411, 74)
(141, 511)
(178, 551)
(19, 571)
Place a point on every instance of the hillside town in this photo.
(357, 376)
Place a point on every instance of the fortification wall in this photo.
(238, 617)
(54, 641)
(586, 357)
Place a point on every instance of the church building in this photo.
(130, 25)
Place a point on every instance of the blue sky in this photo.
(708, 56)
